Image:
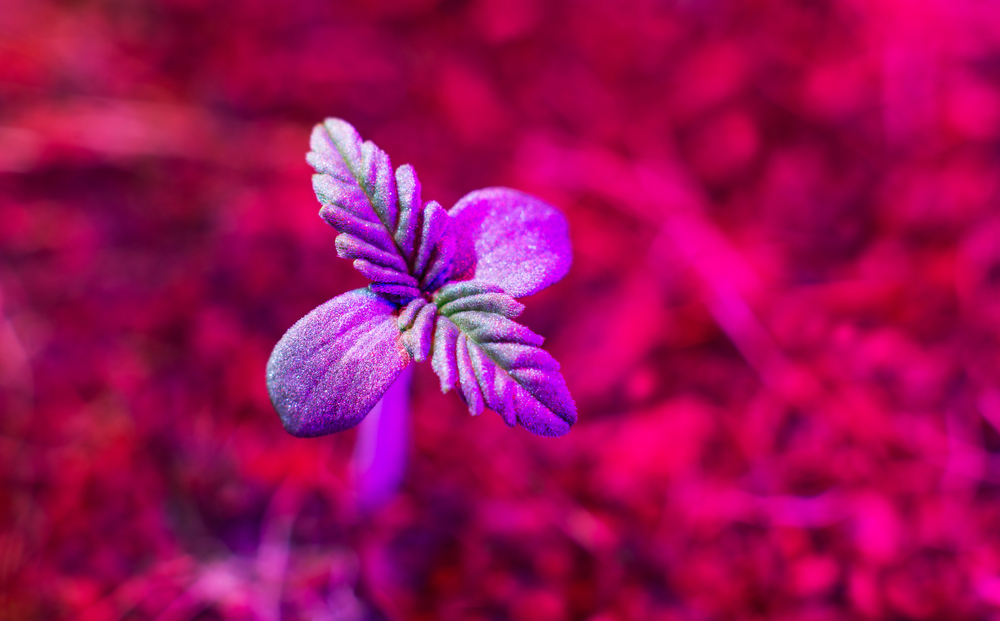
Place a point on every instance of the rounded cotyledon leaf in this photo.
(510, 239)
(331, 368)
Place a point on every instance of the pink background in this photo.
(782, 327)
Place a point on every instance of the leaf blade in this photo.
(331, 367)
(379, 213)
(511, 239)
(498, 363)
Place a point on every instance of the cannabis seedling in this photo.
(443, 289)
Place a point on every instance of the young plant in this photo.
(443, 289)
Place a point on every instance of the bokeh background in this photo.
(782, 327)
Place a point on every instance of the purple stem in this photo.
(383, 439)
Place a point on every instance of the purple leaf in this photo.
(499, 303)
(443, 359)
(432, 257)
(331, 367)
(468, 383)
(486, 327)
(409, 314)
(391, 291)
(417, 324)
(380, 274)
(496, 362)
(379, 183)
(410, 210)
(463, 288)
(350, 247)
(510, 239)
(402, 244)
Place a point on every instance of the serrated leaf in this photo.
(437, 245)
(379, 183)
(453, 291)
(409, 314)
(402, 244)
(416, 322)
(499, 303)
(468, 383)
(496, 362)
(377, 273)
(443, 359)
(492, 328)
(411, 208)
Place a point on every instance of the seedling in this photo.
(443, 289)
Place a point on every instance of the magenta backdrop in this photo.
(782, 326)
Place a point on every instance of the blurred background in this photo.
(782, 327)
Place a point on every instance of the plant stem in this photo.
(383, 440)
